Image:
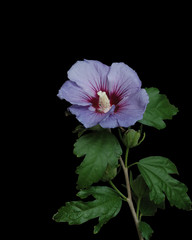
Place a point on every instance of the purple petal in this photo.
(120, 83)
(87, 116)
(90, 75)
(123, 80)
(132, 109)
(110, 122)
(73, 94)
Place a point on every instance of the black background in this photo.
(157, 47)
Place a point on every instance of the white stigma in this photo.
(104, 103)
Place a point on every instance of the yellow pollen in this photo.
(104, 103)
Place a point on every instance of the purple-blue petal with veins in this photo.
(129, 111)
(87, 116)
(90, 75)
(109, 96)
(123, 80)
(71, 92)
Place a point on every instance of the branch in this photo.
(129, 199)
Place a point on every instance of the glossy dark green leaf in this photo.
(146, 230)
(101, 150)
(106, 205)
(158, 109)
(109, 174)
(156, 172)
(141, 191)
(139, 186)
(148, 207)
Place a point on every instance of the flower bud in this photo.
(131, 138)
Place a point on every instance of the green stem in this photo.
(129, 198)
(126, 157)
(117, 190)
(120, 135)
(138, 207)
(135, 163)
(141, 139)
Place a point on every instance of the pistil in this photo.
(104, 102)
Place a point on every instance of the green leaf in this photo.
(156, 172)
(109, 173)
(141, 190)
(158, 109)
(80, 129)
(101, 150)
(106, 205)
(96, 128)
(146, 230)
(148, 207)
(139, 186)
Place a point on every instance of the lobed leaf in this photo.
(156, 172)
(141, 191)
(158, 109)
(138, 186)
(101, 150)
(106, 205)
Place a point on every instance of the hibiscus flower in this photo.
(110, 96)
